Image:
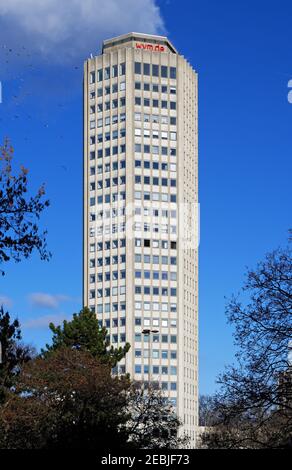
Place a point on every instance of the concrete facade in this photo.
(140, 211)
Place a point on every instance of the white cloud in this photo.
(74, 27)
(5, 301)
(43, 300)
(44, 321)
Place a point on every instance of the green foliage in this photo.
(84, 333)
(14, 354)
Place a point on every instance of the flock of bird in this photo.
(19, 69)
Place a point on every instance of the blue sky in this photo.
(241, 51)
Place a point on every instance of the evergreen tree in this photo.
(84, 333)
(13, 353)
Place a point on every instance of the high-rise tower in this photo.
(140, 211)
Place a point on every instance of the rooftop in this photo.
(141, 37)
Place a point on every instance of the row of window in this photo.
(155, 70)
(108, 72)
(108, 244)
(164, 370)
(147, 134)
(155, 88)
(156, 354)
(155, 149)
(115, 338)
(107, 105)
(103, 230)
(118, 210)
(114, 291)
(99, 169)
(155, 259)
(155, 213)
(155, 275)
(156, 322)
(107, 183)
(147, 243)
(163, 104)
(156, 338)
(106, 137)
(155, 228)
(154, 118)
(114, 322)
(104, 277)
(107, 198)
(108, 261)
(108, 120)
(156, 307)
(108, 308)
(107, 89)
(107, 292)
(147, 196)
(163, 166)
(155, 181)
(163, 291)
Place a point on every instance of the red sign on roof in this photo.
(150, 47)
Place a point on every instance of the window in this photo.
(146, 69)
(123, 68)
(138, 67)
(92, 77)
(99, 75)
(164, 73)
(172, 72)
(155, 70)
(107, 73)
(114, 71)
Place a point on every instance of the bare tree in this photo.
(19, 213)
(253, 406)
